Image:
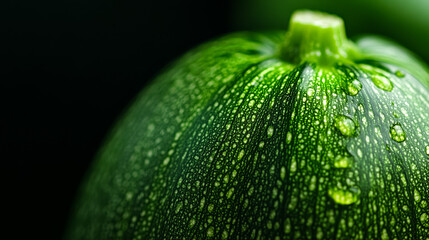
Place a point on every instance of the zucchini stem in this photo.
(316, 37)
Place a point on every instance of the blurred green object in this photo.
(406, 22)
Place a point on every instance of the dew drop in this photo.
(342, 196)
(395, 114)
(310, 92)
(397, 133)
(354, 87)
(427, 150)
(399, 74)
(345, 124)
(388, 148)
(382, 82)
(342, 161)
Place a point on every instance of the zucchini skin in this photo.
(232, 143)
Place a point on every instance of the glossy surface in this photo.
(233, 143)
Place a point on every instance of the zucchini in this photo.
(297, 135)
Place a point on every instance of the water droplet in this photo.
(310, 92)
(343, 196)
(427, 150)
(382, 82)
(345, 124)
(395, 114)
(399, 74)
(343, 161)
(388, 147)
(354, 87)
(397, 133)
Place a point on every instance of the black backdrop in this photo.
(72, 66)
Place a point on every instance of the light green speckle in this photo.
(250, 191)
(166, 161)
(240, 154)
(319, 234)
(226, 179)
(399, 74)
(293, 166)
(282, 173)
(361, 108)
(288, 227)
(225, 235)
(192, 223)
(178, 207)
(343, 161)
(417, 196)
(210, 232)
(288, 137)
(270, 131)
(313, 182)
(229, 193)
(210, 207)
(343, 197)
(251, 103)
(384, 235)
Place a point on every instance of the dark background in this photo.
(71, 67)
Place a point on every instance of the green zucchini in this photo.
(303, 135)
